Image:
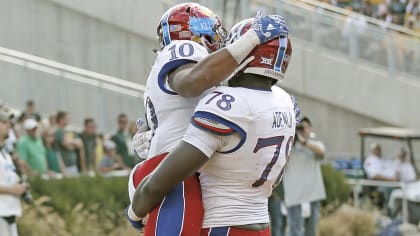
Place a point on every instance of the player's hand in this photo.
(301, 139)
(136, 224)
(141, 140)
(296, 108)
(141, 143)
(269, 27)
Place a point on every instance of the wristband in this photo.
(132, 215)
(243, 46)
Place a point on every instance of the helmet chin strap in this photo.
(239, 68)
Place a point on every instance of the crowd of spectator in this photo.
(401, 12)
(49, 148)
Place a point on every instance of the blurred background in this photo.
(356, 65)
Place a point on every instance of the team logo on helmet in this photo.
(191, 21)
(267, 61)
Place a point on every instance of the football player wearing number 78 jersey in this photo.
(239, 139)
(182, 71)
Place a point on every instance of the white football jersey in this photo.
(167, 113)
(248, 135)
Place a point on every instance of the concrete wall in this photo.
(55, 31)
(335, 126)
(359, 88)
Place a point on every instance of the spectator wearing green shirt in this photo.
(55, 163)
(68, 145)
(121, 139)
(88, 137)
(31, 149)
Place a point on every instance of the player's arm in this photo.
(193, 79)
(183, 162)
(207, 134)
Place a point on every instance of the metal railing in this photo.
(71, 72)
(363, 40)
(61, 86)
(358, 183)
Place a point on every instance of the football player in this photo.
(187, 33)
(239, 139)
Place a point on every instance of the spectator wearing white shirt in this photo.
(376, 168)
(405, 173)
(405, 170)
(303, 182)
(10, 188)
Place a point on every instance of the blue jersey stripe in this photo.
(171, 213)
(168, 67)
(219, 231)
(216, 118)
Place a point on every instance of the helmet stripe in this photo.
(165, 30)
(280, 53)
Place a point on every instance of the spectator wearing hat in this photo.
(31, 150)
(10, 188)
(111, 160)
(405, 170)
(376, 168)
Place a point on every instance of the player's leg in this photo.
(141, 171)
(180, 211)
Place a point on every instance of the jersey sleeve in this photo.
(174, 55)
(219, 123)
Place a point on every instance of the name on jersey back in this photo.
(282, 119)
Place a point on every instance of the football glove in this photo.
(269, 27)
(141, 140)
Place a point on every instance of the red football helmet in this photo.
(191, 21)
(270, 59)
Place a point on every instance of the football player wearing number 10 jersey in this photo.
(182, 71)
(239, 139)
